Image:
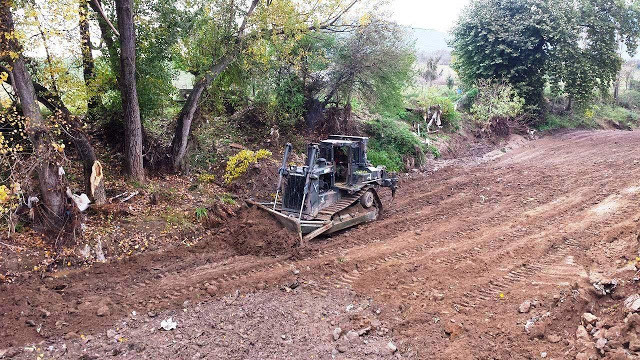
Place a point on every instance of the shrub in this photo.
(201, 213)
(206, 178)
(227, 198)
(392, 160)
(449, 116)
(391, 142)
(630, 99)
(617, 114)
(238, 164)
(466, 100)
(495, 100)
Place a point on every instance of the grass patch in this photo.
(227, 198)
(554, 122)
(591, 118)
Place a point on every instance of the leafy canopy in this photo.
(572, 44)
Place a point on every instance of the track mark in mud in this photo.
(494, 287)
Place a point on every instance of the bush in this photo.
(495, 100)
(466, 100)
(449, 116)
(630, 100)
(619, 115)
(238, 164)
(391, 142)
(391, 159)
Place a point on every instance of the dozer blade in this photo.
(289, 223)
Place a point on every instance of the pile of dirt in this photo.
(254, 232)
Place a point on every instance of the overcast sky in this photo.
(428, 14)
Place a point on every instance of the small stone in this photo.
(70, 336)
(632, 303)
(152, 314)
(452, 329)
(352, 336)
(111, 333)
(438, 296)
(581, 333)
(553, 338)
(589, 318)
(529, 325)
(634, 342)
(103, 310)
(392, 347)
(525, 307)
(601, 343)
(30, 323)
(418, 232)
(283, 336)
(538, 330)
(364, 331)
(44, 313)
(543, 354)
(342, 348)
(336, 333)
(212, 290)
(296, 272)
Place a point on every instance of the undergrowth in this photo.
(392, 142)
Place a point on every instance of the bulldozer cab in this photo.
(347, 154)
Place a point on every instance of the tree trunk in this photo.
(51, 184)
(183, 127)
(87, 58)
(130, 106)
(569, 104)
(76, 135)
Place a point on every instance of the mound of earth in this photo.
(254, 232)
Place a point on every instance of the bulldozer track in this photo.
(328, 212)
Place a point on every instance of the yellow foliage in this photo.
(5, 194)
(7, 200)
(206, 178)
(238, 164)
(59, 147)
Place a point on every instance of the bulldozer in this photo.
(335, 189)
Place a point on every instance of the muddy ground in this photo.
(490, 257)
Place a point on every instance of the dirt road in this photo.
(442, 275)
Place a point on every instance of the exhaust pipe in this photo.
(285, 160)
(311, 164)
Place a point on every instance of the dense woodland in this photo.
(87, 83)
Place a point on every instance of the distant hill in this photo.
(429, 41)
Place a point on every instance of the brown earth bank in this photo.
(527, 252)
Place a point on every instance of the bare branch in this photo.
(95, 4)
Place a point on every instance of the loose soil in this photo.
(254, 232)
(441, 276)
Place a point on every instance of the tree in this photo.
(130, 106)
(526, 42)
(373, 63)
(180, 140)
(430, 71)
(75, 134)
(51, 184)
